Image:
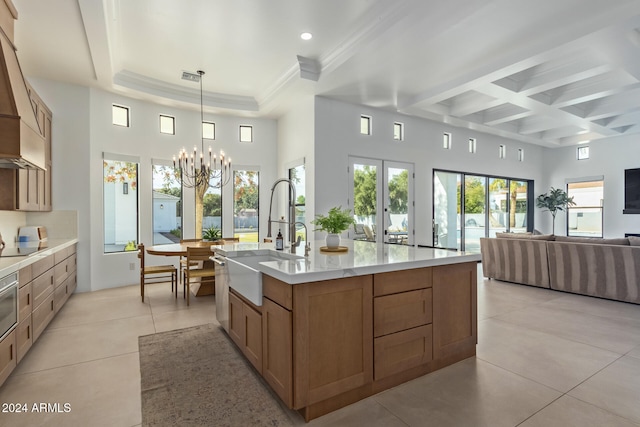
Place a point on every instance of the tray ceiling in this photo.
(548, 72)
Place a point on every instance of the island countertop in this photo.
(361, 258)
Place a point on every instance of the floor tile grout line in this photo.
(564, 337)
(520, 375)
(20, 374)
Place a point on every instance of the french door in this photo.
(381, 199)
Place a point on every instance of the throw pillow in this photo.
(634, 240)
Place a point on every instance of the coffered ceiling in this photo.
(548, 72)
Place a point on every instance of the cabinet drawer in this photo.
(25, 302)
(8, 359)
(42, 287)
(42, 265)
(60, 273)
(402, 281)
(24, 337)
(60, 256)
(394, 313)
(71, 263)
(42, 315)
(277, 291)
(401, 351)
(25, 275)
(60, 296)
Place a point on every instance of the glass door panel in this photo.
(474, 211)
(446, 210)
(365, 200)
(518, 206)
(398, 218)
(246, 186)
(498, 201)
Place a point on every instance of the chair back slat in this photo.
(198, 253)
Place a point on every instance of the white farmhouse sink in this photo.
(245, 277)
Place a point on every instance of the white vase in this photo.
(333, 240)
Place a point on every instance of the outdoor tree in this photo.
(246, 191)
(474, 196)
(399, 193)
(117, 171)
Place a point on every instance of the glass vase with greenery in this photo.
(554, 201)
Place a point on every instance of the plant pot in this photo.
(333, 240)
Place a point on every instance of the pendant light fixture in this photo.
(198, 169)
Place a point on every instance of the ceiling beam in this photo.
(95, 27)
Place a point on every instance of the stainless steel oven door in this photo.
(8, 304)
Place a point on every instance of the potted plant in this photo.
(553, 201)
(212, 233)
(334, 223)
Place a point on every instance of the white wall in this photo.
(82, 131)
(70, 153)
(9, 224)
(337, 136)
(608, 158)
(296, 144)
(144, 140)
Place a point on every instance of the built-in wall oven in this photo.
(8, 304)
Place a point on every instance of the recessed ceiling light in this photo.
(306, 36)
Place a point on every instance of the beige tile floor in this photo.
(544, 358)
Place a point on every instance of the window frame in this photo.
(111, 157)
(173, 124)
(400, 135)
(244, 127)
(447, 140)
(576, 207)
(369, 124)
(580, 152)
(213, 125)
(113, 116)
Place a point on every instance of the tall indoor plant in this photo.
(553, 201)
(334, 223)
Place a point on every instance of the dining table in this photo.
(180, 250)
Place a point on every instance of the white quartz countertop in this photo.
(10, 265)
(361, 258)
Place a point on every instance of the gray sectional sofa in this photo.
(605, 268)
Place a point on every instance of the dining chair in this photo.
(183, 262)
(156, 273)
(198, 266)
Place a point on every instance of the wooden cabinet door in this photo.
(24, 337)
(8, 358)
(236, 320)
(252, 345)
(333, 323)
(277, 351)
(455, 325)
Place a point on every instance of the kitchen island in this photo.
(334, 328)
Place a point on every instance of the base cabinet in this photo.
(277, 350)
(328, 344)
(43, 288)
(8, 358)
(24, 337)
(245, 329)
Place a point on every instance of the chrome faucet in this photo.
(292, 212)
(307, 245)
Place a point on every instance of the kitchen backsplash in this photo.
(59, 224)
(9, 223)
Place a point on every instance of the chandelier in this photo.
(196, 170)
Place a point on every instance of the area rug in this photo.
(197, 377)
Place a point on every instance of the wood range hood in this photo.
(22, 141)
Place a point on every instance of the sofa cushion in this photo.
(593, 240)
(527, 236)
(634, 240)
